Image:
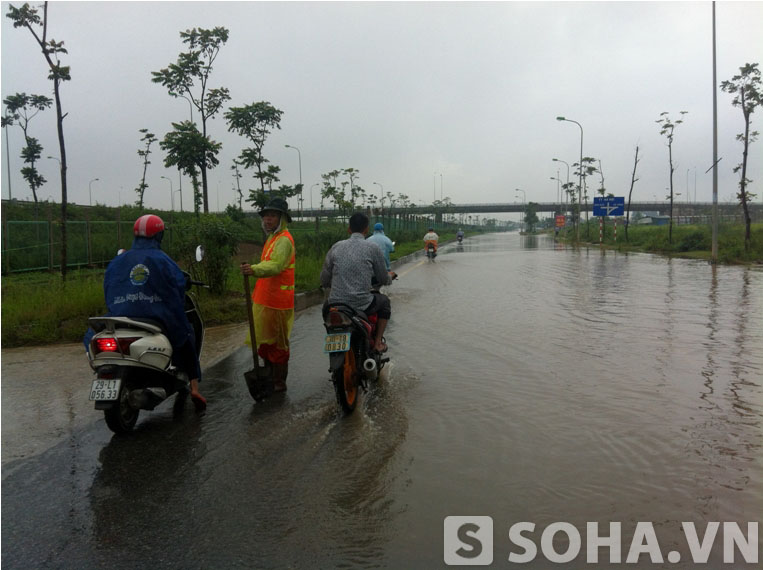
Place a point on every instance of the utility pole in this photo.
(714, 247)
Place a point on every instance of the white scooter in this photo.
(132, 360)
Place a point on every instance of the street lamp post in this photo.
(524, 202)
(299, 156)
(172, 194)
(558, 190)
(382, 198)
(568, 170)
(580, 171)
(9, 171)
(311, 193)
(90, 189)
(318, 217)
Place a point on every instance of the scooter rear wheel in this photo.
(121, 417)
(346, 380)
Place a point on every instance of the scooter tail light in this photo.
(110, 344)
(106, 345)
(337, 319)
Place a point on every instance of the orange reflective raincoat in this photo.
(273, 296)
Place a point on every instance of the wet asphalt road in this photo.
(528, 382)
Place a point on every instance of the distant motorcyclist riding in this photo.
(387, 245)
(430, 244)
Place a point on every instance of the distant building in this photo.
(653, 221)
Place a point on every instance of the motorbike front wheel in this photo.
(346, 380)
(121, 417)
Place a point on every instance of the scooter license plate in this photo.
(105, 390)
(337, 342)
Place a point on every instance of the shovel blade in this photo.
(259, 382)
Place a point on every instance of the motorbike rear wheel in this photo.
(121, 417)
(346, 380)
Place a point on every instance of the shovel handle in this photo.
(250, 315)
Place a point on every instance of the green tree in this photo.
(331, 189)
(189, 78)
(255, 122)
(148, 139)
(531, 216)
(190, 150)
(220, 239)
(572, 197)
(271, 176)
(29, 18)
(20, 110)
(588, 169)
(667, 127)
(355, 191)
(746, 88)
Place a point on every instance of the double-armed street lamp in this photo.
(580, 171)
(299, 156)
(90, 189)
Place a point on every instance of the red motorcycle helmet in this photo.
(148, 226)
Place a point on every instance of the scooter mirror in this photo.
(199, 252)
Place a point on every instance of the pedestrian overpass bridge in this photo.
(679, 208)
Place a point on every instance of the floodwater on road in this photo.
(528, 382)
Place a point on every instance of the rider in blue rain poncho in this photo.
(145, 282)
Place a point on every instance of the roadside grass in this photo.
(689, 241)
(38, 308)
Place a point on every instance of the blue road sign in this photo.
(609, 206)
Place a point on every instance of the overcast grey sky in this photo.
(419, 97)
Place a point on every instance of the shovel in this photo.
(259, 379)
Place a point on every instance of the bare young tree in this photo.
(237, 175)
(255, 122)
(584, 171)
(630, 193)
(28, 17)
(667, 126)
(746, 88)
(189, 78)
(20, 110)
(148, 139)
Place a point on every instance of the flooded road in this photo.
(528, 382)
